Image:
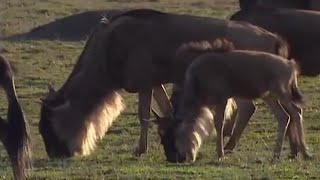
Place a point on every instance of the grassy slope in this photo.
(40, 62)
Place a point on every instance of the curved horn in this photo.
(160, 102)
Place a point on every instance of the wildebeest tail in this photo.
(296, 93)
(282, 47)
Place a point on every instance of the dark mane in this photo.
(139, 13)
(219, 45)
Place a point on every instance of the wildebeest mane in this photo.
(199, 47)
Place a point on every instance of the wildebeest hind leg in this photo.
(295, 113)
(283, 121)
(245, 111)
(144, 117)
(219, 123)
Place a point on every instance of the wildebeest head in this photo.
(55, 147)
(167, 132)
(182, 139)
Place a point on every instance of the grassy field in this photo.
(40, 62)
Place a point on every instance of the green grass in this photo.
(41, 62)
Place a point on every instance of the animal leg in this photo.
(3, 131)
(219, 123)
(144, 117)
(293, 139)
(295, 113)
(245, 111)
(283, 120)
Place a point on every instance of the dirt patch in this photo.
(70, 28)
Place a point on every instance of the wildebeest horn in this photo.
(160, 102)
(51, 89)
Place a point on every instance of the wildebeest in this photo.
(75, 27)
(134, 51)
(299, 28)
(14, 132)
(218, 73)
(296, 4)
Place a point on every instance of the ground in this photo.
(43, 61)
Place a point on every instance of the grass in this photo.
(41, 62)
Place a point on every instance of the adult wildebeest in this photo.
(218, 73)
(134, 51)
(296, 4)
(299, 28)
(14, 132)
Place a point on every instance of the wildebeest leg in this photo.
(246, 109)
(293, 136)
(3, 131)
(219, 123)
(144, 117)
(295, 113)
(283, 121)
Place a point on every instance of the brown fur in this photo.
(214, 77)
(287, 24)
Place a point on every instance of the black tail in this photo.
(282, 47)
(296, 94)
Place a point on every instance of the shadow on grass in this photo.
(75, 27)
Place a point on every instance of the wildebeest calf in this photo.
(219, 72)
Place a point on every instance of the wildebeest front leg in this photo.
(246, 108)
(219, 123)
(144, 117)
(283, 121)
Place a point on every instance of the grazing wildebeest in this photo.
(218, 73)
(14, 132)
(299, 28)
(296, 4)
(134, 51)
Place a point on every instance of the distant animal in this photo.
(14, 132)
(299, 28)
(218, 73)
(74, 27)
(134, 51)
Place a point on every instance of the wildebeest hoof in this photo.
(228, 151)
(138, 152)
(293, 156)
